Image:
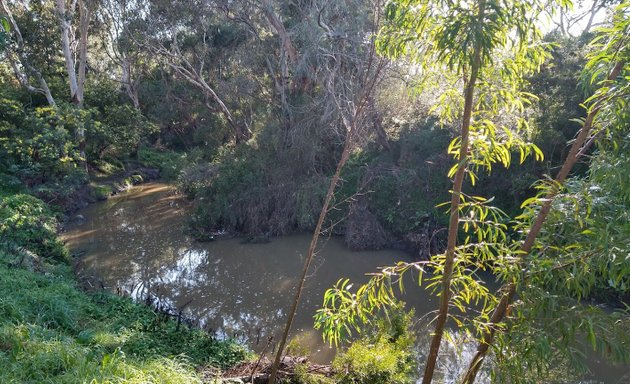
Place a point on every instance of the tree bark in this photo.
(509, 289)
(285, 41)
(84, 25)
(130, 85)
(64, 25)
(76, 80)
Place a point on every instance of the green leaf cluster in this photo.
(384, 355)
(36, 145)
(27, 222)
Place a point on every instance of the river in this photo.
(134, 243)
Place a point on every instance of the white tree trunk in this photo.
(130, 85)
(76, 80)
(84, 25)
(64, 24)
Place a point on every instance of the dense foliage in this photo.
(385, 355)
(247, 106)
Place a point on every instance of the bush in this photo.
(26, 221)
(385, 357)
(302, 376)
(100, 191)
(119, 131)
(194, 179)
(10, 184)
(169, 163)
(36, 146)
(37, 150)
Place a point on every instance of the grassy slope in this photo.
(53, 332)
(50, 331)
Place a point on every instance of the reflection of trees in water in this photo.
(186, 281)
(230, 288)
(455, 353)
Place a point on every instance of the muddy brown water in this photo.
(135, 243)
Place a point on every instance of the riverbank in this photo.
(53, 331)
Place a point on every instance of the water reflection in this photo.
(135, 243)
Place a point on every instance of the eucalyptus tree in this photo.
(71, 31)
(607, 114)
(497, 45)
(121, 20)
(293, 42)
(579, 20)
(199, 45)
(485, 48)
(74, 25)
(75, 50)
(21, 56)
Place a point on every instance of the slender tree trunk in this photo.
(351, 127)
(84, 25)
(129, 83)
(309, 257)
(75, 80)
(453, 226)
(509, 289)
(288, 58)
(64, 25)
(182, 66)
(594, 9)
(285, 40)
(240, 134)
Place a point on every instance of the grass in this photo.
(51, 331)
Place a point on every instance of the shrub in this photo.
(26, 221)
(169, 163)
(386, 356)
(119, 131)
(302, 376)
(194, 179)
(37, 150)
(37, 146)
(101, 191)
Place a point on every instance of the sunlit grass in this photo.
(52, 332)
